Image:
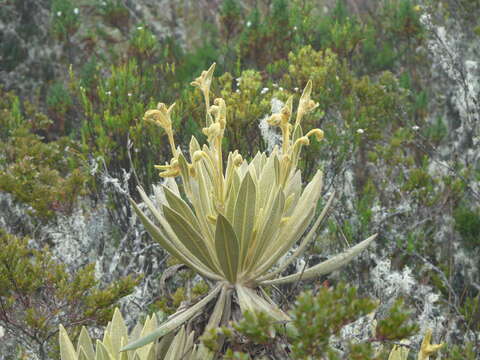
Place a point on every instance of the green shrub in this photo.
(37, 294)
(316, 320)
(467, 223)
(65, 19)
(48, 176)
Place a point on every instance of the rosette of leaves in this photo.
(234, 224)
(116, 336)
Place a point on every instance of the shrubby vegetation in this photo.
(391, 152)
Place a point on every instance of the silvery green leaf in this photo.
(306, 240)
(82, 355)
(269, 227)
(232, 195)
(244, 216)
(101, 352)
(227, 248)
(67, 351)
(176, 321)
(325, 267)
(85, 342)
(190, 238)
(178, 249)
(218, 310)
(181, 207)
(296, 226)
(250, 300)
(118, 331)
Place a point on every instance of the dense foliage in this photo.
(396, 82)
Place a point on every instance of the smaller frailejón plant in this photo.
(237, 222)
(116, 336)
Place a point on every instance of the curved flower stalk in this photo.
(116, 336)
(235, 224)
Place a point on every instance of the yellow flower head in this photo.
(306, 104)
(219, 111)
(427, 348)
(160, 116)
(204, 81)
(169, 170)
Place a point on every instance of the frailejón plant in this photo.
(239, 219)
(116, 336)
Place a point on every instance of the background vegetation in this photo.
(397, 82)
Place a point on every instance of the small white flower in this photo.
(294, 28)
(108, 93)
(238, 80)
(275, 85)
(59, 13)
(76, 11)
(280, 88)
(139, 27)
(249, 23)
(264, 90)
(360, 131)
(129, 94)
(415, 127)
(295, 89)
(237, 91)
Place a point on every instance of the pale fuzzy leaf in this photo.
(181, 207)
(256, 163)
(175, 322)
(67, 351)
(244, 217)
(268, 230)
(159, 195)
(306, 240)
(171, 184)
(82, 355)
(189, 237)
(164, 344)
(266, 183)
(296, 226)
(149, 326)
(202, 200)
(194, 146)
(227, 248)
(293, 191)
(135, 333)
(232, 195)
(152, 354)
(85, 342)
(107, 343)
(178, 250)
(102, 352)
(122, 355)
(118, 330)
(182, 163)
(242, 170)
(217, 314)
(188, 347)
(399, 353)
(325, 267)
(250, 300)
(175, 350)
